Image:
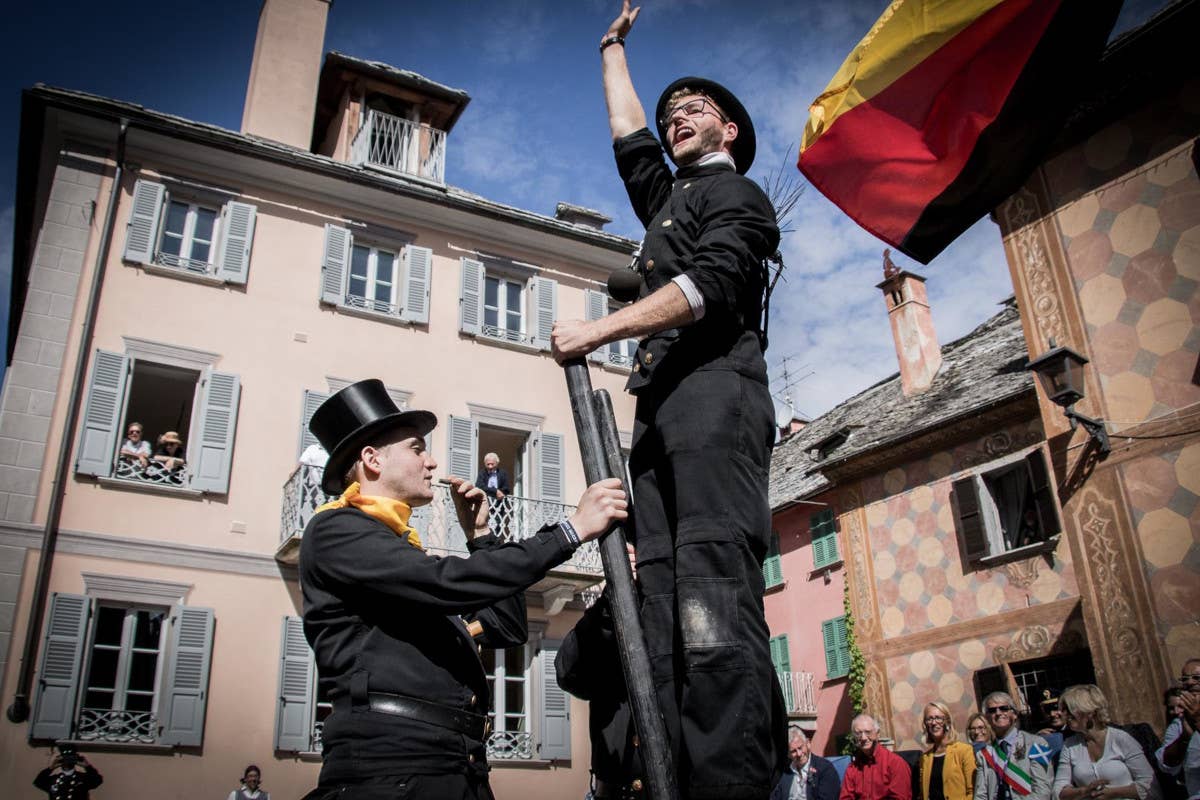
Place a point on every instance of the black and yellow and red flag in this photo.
(945, 107)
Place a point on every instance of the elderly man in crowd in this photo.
(1016, 764)
(875, 773)
(1180, 753)
(808, 777)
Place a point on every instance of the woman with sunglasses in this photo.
(979, 733)
(1099, 762)
(947, 767)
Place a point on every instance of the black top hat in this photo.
(743, 146)
(351, 418)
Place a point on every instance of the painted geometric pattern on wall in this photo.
(1132, 237)
(947, 673)
(1164, 497)
(920, 582)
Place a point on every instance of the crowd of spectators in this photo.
(1081, 753)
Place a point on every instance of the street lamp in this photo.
(1060, 371)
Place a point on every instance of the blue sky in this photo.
(536, 133)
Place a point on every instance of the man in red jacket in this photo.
(875, 773)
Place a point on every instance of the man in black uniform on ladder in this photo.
(394, 629)
(704, 423)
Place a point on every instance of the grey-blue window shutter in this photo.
(550, 466)
(186, 695)
(237, 234)
(597, 307)
(141, 234)
(294, 714)
(555, 728)
(335, 261)
(418, 271)
(462, 439)
(101, 426)
(218, 422)
(470, 298)
(61, 666)
(545, 309)
(312, 401)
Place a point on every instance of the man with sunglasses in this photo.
(1016, 764)
(704, 423)
(1180, 753)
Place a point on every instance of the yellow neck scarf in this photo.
(393, 513)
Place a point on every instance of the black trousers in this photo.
(699, 466)
(408, 787)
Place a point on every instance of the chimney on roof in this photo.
(578, 215)
(917, 347)
(281, 97)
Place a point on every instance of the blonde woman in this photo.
(947, 767)
(1098, 762)
(978, 730)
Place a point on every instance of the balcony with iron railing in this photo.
(397, 145)
(512, 519)
(799, 694)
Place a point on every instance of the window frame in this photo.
(822, 526)
(410, 287)
(187, 236)
(502, 311)
(539, 302)
(497, 711)
(838, 666)
(369, 300)
(123, 660)
(977, 514)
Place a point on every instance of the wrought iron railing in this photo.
(367, 304)
(510, 746)
(799, 692)
(505, 334)
(104, 725)
(192, 265)
(155, 472)
(396, 144)
(619, 359)
(512, 519)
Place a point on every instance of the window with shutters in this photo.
(772, 565)
(123, 673)
(1007, 509)
(376, 272)
(837, 647)
(303, 705)
(502, 301)
(185, 419)
(508, 674)
(190, 231)
(823, 527)
(619, 354)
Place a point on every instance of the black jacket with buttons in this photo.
(383, 616)
(715, 226)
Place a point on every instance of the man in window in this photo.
(135, 448)
(704, 427)
(394, 630)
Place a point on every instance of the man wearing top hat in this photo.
(394, 630)
(704, 422)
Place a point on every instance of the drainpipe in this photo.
(19, 710)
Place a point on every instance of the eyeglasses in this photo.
(692, 109)
(132, 431)
(935, 720)
(1000, 710)
(862, 735)
(1189, 678)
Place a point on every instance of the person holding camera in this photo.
(70, 775)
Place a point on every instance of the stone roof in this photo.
(985, 368)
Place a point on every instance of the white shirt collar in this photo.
(720, 157)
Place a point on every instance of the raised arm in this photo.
(625, 113)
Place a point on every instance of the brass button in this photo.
(687, 185)
(649, 358)
(471, 758)
(666, 223)
(637, 782)
(649, 265)
(637, 367)
(487, 727)
(636, 742)
(472, 701)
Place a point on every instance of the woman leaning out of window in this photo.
(1098, 762)
(947, 767)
